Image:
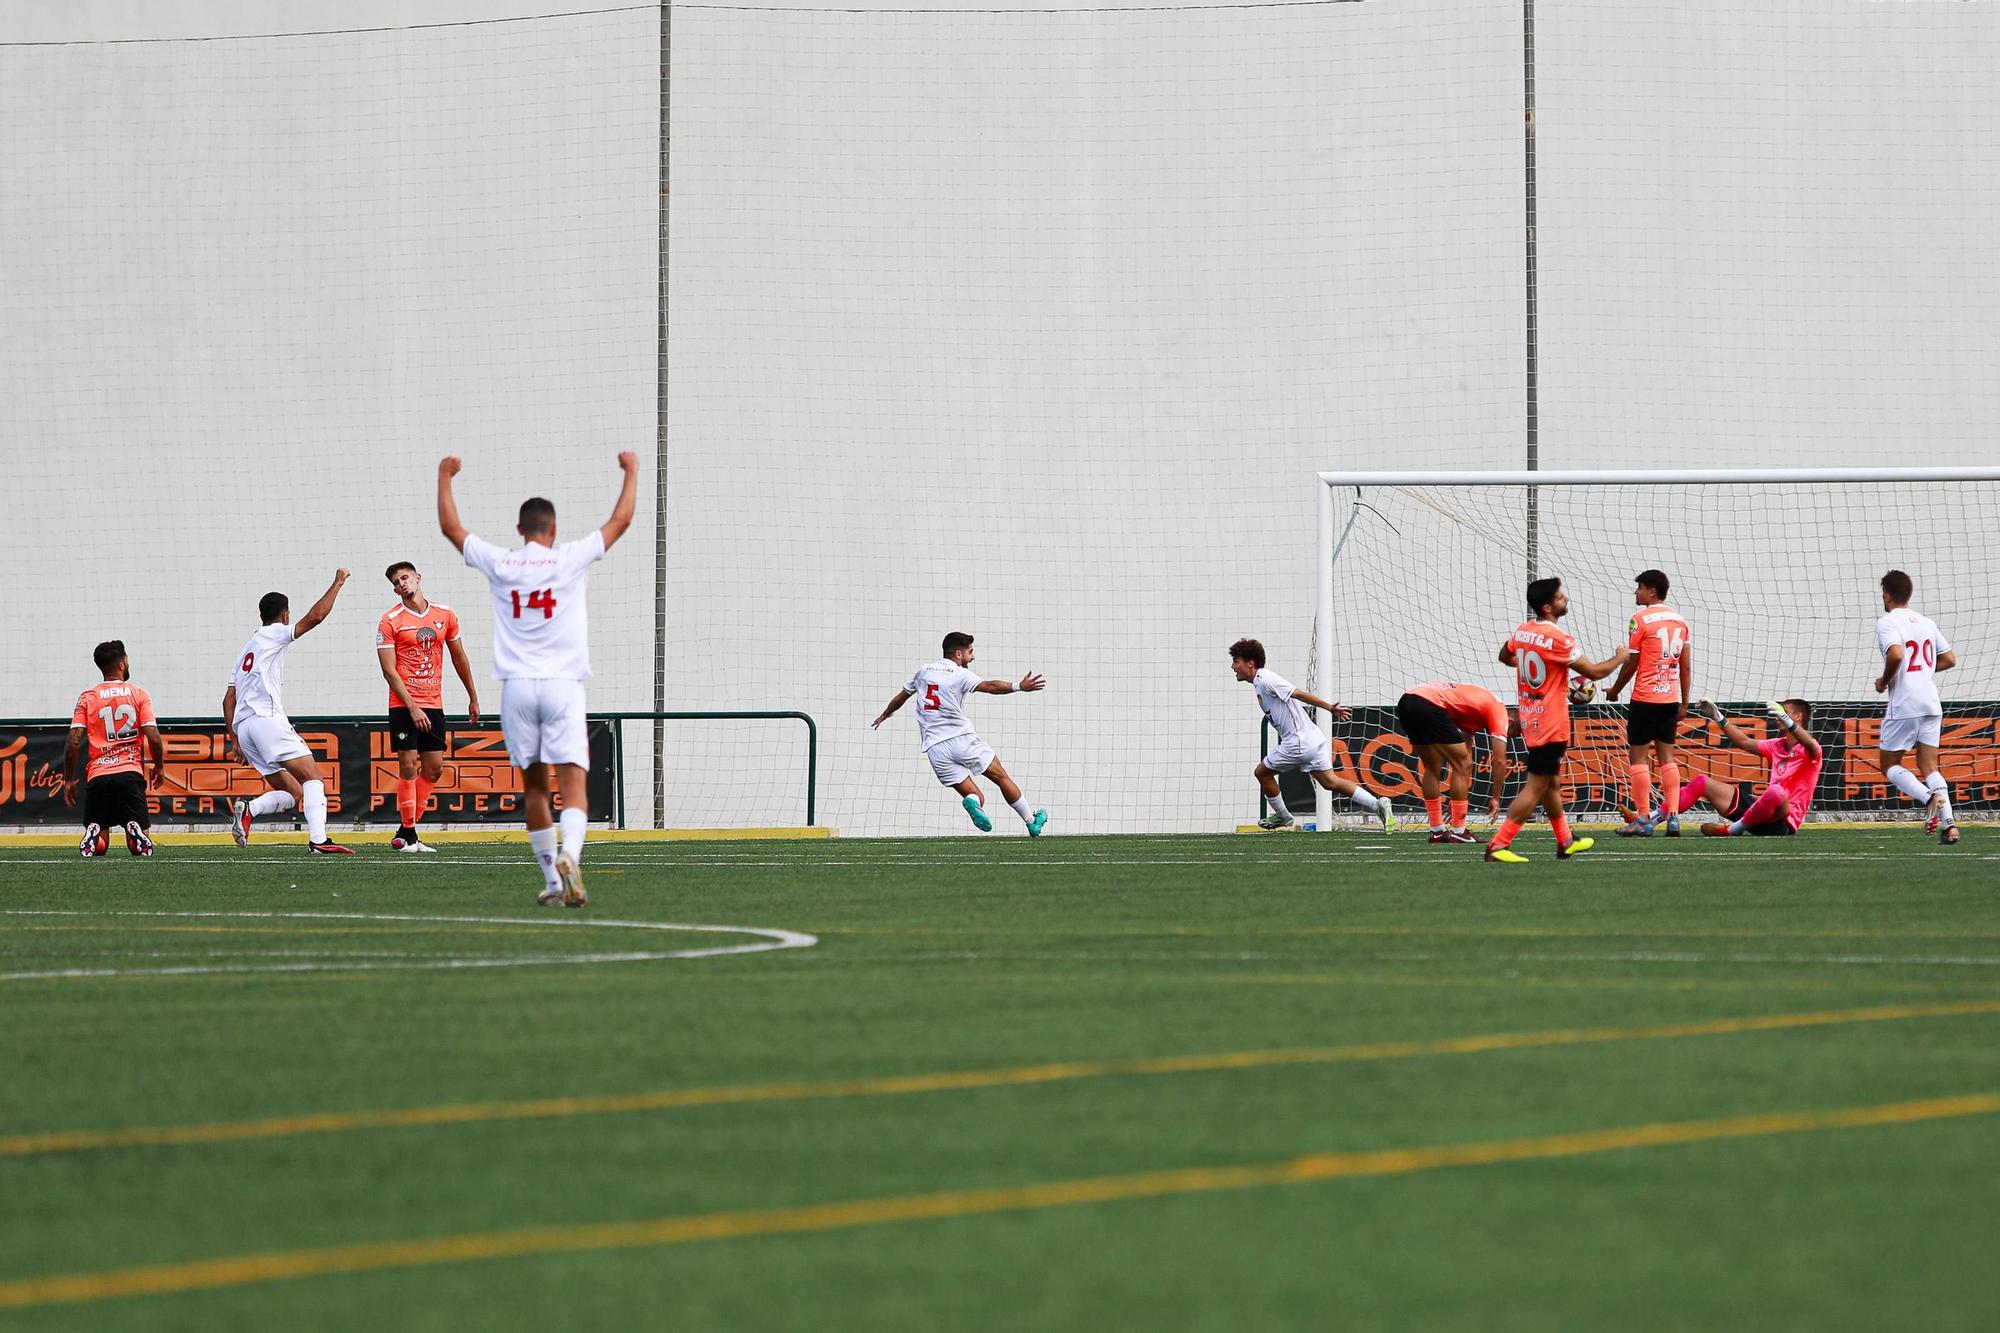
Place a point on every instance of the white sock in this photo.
(315, 808)
(1906, 783)
(1277, 804)
(1021, 809)
(543, 842)
(1366, 799)
(1936, 784)
(574, 822)
(271, 802)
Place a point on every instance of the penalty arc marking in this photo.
(765, 939)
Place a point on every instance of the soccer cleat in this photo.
(1387, 814)
(329, 848)
(1706, 708)
(1574, 847)
(1456, 835)
(1274, 821)
(1673, 826)
(1934, 812)
(94, 841)
(1038, 823)
(1438, 835)
(413, 846)
(1715, 830)
(1506, 856)
(239, 823)
(136, 840)
(571, 876)
(550, 896)
(980, 819)
(1950, 835)
(1638, 828)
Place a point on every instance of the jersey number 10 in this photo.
(541, 599)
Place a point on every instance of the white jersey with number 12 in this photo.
(541, 630)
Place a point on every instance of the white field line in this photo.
(670, 862)
(1232, 956)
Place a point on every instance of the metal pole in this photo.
(1534, 424)
(1323, 628)
(660, 432)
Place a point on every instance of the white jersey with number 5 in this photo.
(259, 677)
(1913, 688)
(1287, 714)
(940, 691)
(541, 630)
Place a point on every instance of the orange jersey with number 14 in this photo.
(1542, 654)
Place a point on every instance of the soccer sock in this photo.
(542, 842)
(1366, 799)
(271, 802)
(1936, 783)
(1459, 809)
(1277, 804)
(1021, 809)
(1560, 827)
(424, 786)
(1641, 778)
(315, 809)
(1692, 790)
(406, 801)
(1906, 783)
(574, 822)
(1670, 786)
(1762, 810)
(1505, 837)
(1434, 808)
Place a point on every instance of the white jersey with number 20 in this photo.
(541, 630)
(1913, 690)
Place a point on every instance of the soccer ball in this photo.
(1582, 692)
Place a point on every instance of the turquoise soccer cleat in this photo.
(980, 819)
(1035, 825)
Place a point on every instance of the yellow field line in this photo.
(244, 1270)
(895, 1085)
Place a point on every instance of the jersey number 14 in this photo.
(541, 599)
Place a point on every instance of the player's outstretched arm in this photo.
(1738, 737)
(1590, 670)
(902, 697)
(453, 530)
(1028, 684)
(1792, 729)
(628, 500)
(463, 666)
(1625, 674)
(323, 607)
(1341, 711)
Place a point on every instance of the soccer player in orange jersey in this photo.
(410, 642)
(114, 714)
(1437, 716)
(1663, 664)
(1543, 654)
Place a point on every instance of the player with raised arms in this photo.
(1661, 670)
(1913, 652)
(260, 731)
(953, 747)
(1302, 747)
(410, 644)
(541, 657)
(1543, 655)
(1795, 759)
(113, 714)
(1437, 717)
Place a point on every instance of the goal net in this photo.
(1422, 577)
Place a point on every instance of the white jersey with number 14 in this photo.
(541, 630)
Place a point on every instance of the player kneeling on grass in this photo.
(1795, 759)
(114, 714)
(953, 747)
(1436, 716)
(1302, 747)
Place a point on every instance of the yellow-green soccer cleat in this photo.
(1506, 856)
(1573, 847)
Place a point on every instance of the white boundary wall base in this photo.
(1332, 527)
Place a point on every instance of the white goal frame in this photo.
(1331, 528)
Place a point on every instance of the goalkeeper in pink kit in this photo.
(1795, 759)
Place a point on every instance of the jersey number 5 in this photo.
(541, 599)
(931, 701)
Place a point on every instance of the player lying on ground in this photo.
(1913, 652)
(1543, 654)
(410, 643)
(114, 714)
(953, 747)
(1795, 759)
(1663, 663)
(1436, 716)
(1302, 747)
(258, 727)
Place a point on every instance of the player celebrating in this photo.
(1781, 807)
(954, 749)
(1302, 746)
(410, 642)
(541, 657)
(114, 714)
(259, 729)
(1543, 654)
(1436, 717)
(1913, 652)
(1664, 665)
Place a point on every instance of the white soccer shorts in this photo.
(267, 742)
(1903, 733)
(1293, 757)
(542, 720)
(958, 758)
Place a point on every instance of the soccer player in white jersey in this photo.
(258, 727)
(541, 657)
(1913, 652)
(1301, 747)
(953, 747)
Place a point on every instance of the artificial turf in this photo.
(961, 1065)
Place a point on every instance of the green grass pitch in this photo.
(1218, 1083)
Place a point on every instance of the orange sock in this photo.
(1670, 787)
(1458, 813)
(423, 786)
(1505, 837)
(1642, 789)
(1560, 827)
(406, 801)
(1434, 808)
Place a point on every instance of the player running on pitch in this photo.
(1663, 662)
(1913, 652)
(1302, 746)
(1795, 758)
(953, 747)
(1543, 654)
(259, 729)
(1437, 716)
(114, 714)
(410, 643)
(541, 657)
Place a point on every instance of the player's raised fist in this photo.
(1031, 682)
(448, 467)
(629, 461)
(340, 576)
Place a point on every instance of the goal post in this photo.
(1422, 575)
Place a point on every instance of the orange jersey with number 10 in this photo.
(1658, 637)
(1542, 654)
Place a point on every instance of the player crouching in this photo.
(1440, 718)
(1795, 759)
(1302, 746)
